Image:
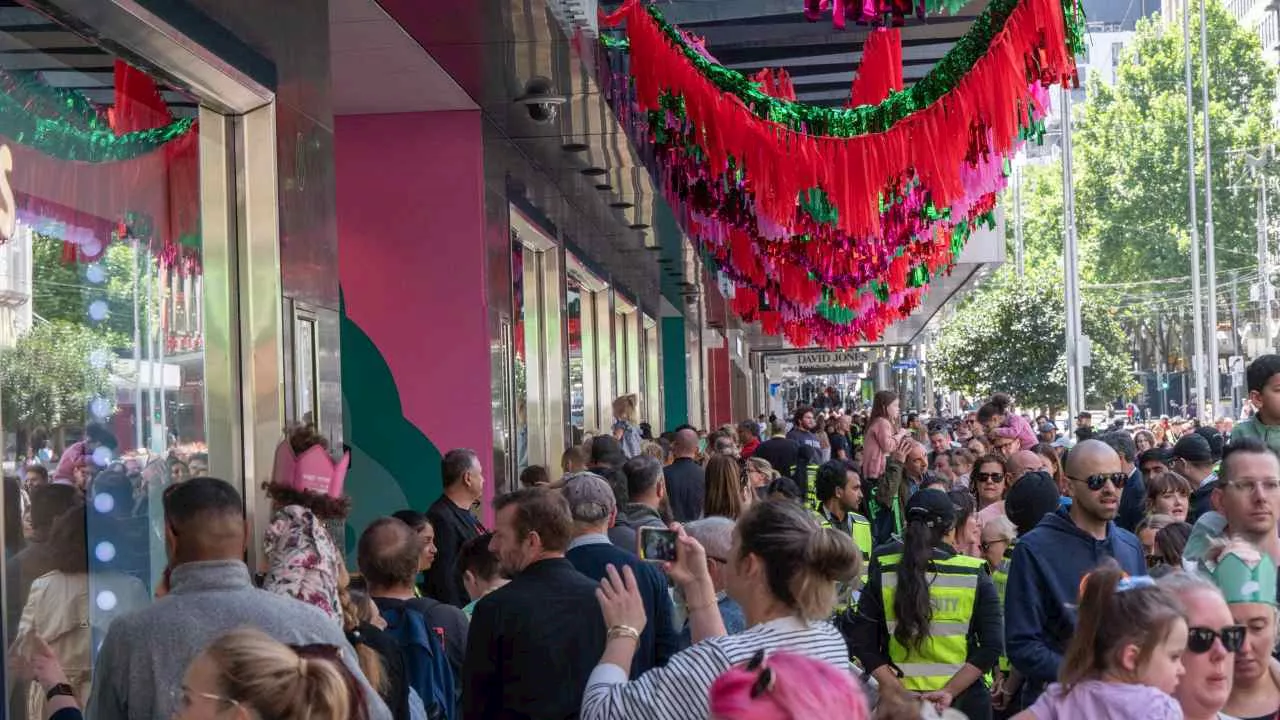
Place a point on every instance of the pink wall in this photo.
(410, 199)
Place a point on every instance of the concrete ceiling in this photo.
(378, 68)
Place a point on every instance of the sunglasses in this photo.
(1200, 639)
(1096, 482)
(988, 477)
(764, 681)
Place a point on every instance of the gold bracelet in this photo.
(623, 631)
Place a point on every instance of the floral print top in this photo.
(302, 560)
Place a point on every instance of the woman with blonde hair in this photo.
(726, 492)
(247, 672)
(758, 473)
(625, 429)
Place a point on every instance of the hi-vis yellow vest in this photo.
(1000, 576)
(860, 529)
(953, 592)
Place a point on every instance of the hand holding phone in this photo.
(658, 544)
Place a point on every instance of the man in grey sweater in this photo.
(145, 654)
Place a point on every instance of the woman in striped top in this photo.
(782, 569)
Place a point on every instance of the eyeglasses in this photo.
(183, 698)
(985, 546)
(989, 477)
(1200, 639)
(1096, 482)
(1249, 487)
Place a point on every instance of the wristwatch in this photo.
(60, 689)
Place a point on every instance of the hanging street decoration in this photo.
(832, 222)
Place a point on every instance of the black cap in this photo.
(1215, 440)
(1030, 499)
(1193, 447)
(1084, 414)
(932, 506)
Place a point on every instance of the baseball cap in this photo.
(1193, 447)
(1030, 499)
(1048, 428)
(590, 497)
(1084, 414)
(932, 506)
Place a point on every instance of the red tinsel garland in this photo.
(880, 71)
(932, 143)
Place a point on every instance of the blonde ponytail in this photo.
(280, 682)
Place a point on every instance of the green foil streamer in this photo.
(74, 134)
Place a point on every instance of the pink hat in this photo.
(313, 471)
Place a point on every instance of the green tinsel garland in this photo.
(78, 131)
(843, 122)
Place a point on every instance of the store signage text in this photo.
(9, 212)
(814, 362)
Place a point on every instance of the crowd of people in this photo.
(989, 565)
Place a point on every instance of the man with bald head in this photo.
(388, 555)
(1050, 561)
(686, 481)
(210, 593)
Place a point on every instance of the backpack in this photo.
(426, 666)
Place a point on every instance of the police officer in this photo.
(837, 493)
(929, 620)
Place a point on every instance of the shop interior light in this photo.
(621, 205)
(594, 172)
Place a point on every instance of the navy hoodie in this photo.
(1044, 580)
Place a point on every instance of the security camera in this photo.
(540, 101)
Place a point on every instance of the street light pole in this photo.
(1211, 269)
(1197, 324)
(1018, 247)
(1075, 378)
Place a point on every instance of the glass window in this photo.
(577, 394)
(102, 342)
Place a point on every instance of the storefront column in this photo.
(675, 395)
(415, 338)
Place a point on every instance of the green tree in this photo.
(49, 377)
(1131, 158)
(63, 290)
(1010, 335)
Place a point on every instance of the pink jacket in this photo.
(876, 447)
(1017, 427)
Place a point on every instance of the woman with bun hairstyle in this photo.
(246, 675)
(781, 569)
(929, 620)
(786, 686)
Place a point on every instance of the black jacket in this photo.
(686, 488)
(533, 643)
(454, 526)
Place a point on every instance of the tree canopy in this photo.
(1010, 335)
(48, 377)
(1131, 157)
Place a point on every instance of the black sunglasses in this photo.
(1095, 482)
(764, 681)
(1200, 639)
(988, 477)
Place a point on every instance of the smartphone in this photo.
(657, 544)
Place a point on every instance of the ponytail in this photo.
(911, 604)
(277, 681)
(1115, 611)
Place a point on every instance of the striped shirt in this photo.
(679, 689)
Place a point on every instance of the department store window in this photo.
(538, 359)
(103, 392)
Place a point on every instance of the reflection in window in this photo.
(102, 399)
(518, 259)
(573, 318)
